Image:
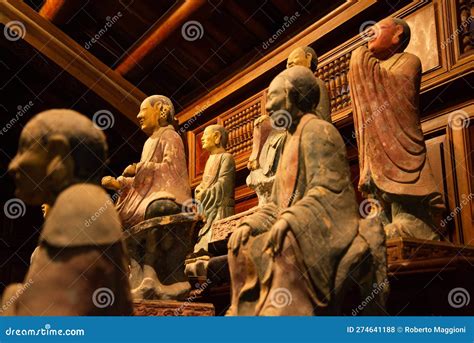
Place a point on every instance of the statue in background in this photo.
(162, 167)
(80, 266)
(306, 57)
(292, 256)
(394, 167)
(215, 193)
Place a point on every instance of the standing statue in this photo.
(306, 57)
(293, 255)
(162, 167)
(216, 191)
(80, 266)
(394, 167)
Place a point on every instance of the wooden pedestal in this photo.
(172, 308)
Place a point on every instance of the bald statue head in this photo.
(303, 56)
(155, 111)
(388, 37)
(57, 148)
(214, 138)
(292, 93)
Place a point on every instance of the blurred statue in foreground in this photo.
(306, 57)
(394, 167)
(162, 167)
(80, 266)
(293, 255)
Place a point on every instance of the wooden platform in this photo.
(172, 308)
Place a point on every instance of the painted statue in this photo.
(80, 267)
(292, 256)
(162, 167)
(394, 166)
(215, 193)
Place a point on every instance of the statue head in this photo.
(57, 148)
(155, 111)
(303, 56)
(388, 37)
(214, 138)
(292, 93)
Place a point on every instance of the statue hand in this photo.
(252, 165)
(276, 237)
(239, 237)
(130, 171)
(110, 182)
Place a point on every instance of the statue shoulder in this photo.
(411, 61)
(83, 214)
(318, 130)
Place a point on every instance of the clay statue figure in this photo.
(215, 193)
(306, 57)
(80, 267)
(162, 166)
(394, 167)
(292, 255)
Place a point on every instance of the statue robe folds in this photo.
(162, 167)
(314, 194)
(217, 194)
(392, 151)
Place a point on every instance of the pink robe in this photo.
(162, 167)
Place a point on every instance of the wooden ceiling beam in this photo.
(54, 44)
(162, 30)
(59, 11)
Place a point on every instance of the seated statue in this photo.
(215, 193)
(292, 256)
(162, 167)
(79, 267)
(306, 57)
(394, 166)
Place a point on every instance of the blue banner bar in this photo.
(243, 329)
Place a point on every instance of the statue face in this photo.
(29, 170)
(277, 96)
(298, 58)
(148, 117)
(210, 139)
(384, 38)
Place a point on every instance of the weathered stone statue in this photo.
(394, 167)
(293, 255)
(80, 266)
(306, 57)
(215, 193)
(162, 166)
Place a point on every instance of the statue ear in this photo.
(165, 109)
(398, 36)
(60, 169)
(217, 138)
